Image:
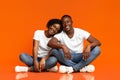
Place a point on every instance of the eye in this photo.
(57, 27)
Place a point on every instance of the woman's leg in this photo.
(28, 60)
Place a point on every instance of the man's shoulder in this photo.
(79, 29)
(60, 35)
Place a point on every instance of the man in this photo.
(69, 46)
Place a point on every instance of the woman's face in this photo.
(53, 29)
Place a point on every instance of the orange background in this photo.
(20, 18)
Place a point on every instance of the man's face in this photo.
(67, 24)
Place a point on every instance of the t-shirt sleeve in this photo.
(36, 35)
(58, 36)
(85, 34)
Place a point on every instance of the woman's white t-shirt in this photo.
(74, 44)
(43, 49)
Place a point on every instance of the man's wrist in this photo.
(61, 46)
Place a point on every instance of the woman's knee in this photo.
(27, 59)
(22, 56)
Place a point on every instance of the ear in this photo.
(72, 21)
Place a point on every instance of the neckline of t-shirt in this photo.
(45, 35)
(72, 36)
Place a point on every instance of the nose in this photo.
(55, 30)
(64, 26)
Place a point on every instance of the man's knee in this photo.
(54, 51)
(53, 60)
(96, 50)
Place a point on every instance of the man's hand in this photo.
(86, 53)
(66, 52)
(42, 64)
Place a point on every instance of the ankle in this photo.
(29, 69)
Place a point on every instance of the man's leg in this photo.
(93, 54)
(60, 56)
(50, 62)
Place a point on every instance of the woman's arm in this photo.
(35, 53)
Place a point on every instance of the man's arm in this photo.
(53, 43)
(93, 43)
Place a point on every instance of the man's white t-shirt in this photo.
(74, 44)
(43, 49)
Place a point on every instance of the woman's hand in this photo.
(42, 64)
(36, 66)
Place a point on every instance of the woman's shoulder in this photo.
(39, 31)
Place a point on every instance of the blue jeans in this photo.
(28, 60)
(76, 60)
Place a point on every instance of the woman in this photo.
(41, 60)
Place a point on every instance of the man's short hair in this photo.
(65, 16)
